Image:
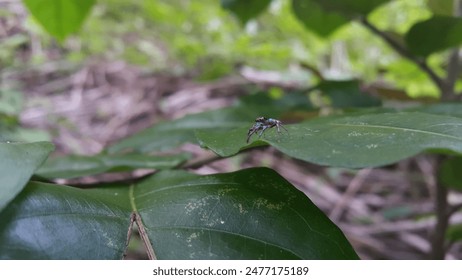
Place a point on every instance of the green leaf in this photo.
(58, 222)
(441, 7)
(60, 17)
(245, 10)
(316, 19)
(350, 8)
(171, 134)
(76, 166)
(449, 174)
(18, 161)
(14, 133)
(345, 94)
(249, 214)
(350, 141)
(435, 34)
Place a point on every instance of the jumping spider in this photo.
(261, 124)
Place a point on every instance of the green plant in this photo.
(251, 213)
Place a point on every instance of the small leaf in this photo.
(60, 17)
(249, 214)
(449, 174)
(245, 10)
(435, 34)
(350, 141)
(76, 166)
(316, 19)
(18, 161)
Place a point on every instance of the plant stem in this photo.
(443, 212)
(438, 251)
(454, 67)
(420, 62)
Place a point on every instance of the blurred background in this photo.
(136, 63)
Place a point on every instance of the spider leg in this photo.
(281, 126)
(263, 130)
(250, 133)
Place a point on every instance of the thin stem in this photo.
(454, 66)
(420, 62)
(438, 251)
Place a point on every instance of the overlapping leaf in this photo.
(18, 161)
(350, 141)
(76, 166)
(435, 34)
(170, 134)
(249, 214)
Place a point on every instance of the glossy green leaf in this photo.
(171, 134)
(355, 141)
(435, 34)
(58, 222)
(76, 166)
(450, 175)
(18, 161)
(60, 17)
(249, 214)
(315, 18)
(245, 10)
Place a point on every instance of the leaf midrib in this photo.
(399, 128)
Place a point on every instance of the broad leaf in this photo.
(249, 214)
(314, 18)
(245, 10)
(18, 162)
(171, 134)
(60, 17)
(435, 34)
(58, 222)
(350, 141)
(76, 166)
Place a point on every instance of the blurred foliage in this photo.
(203, 38)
